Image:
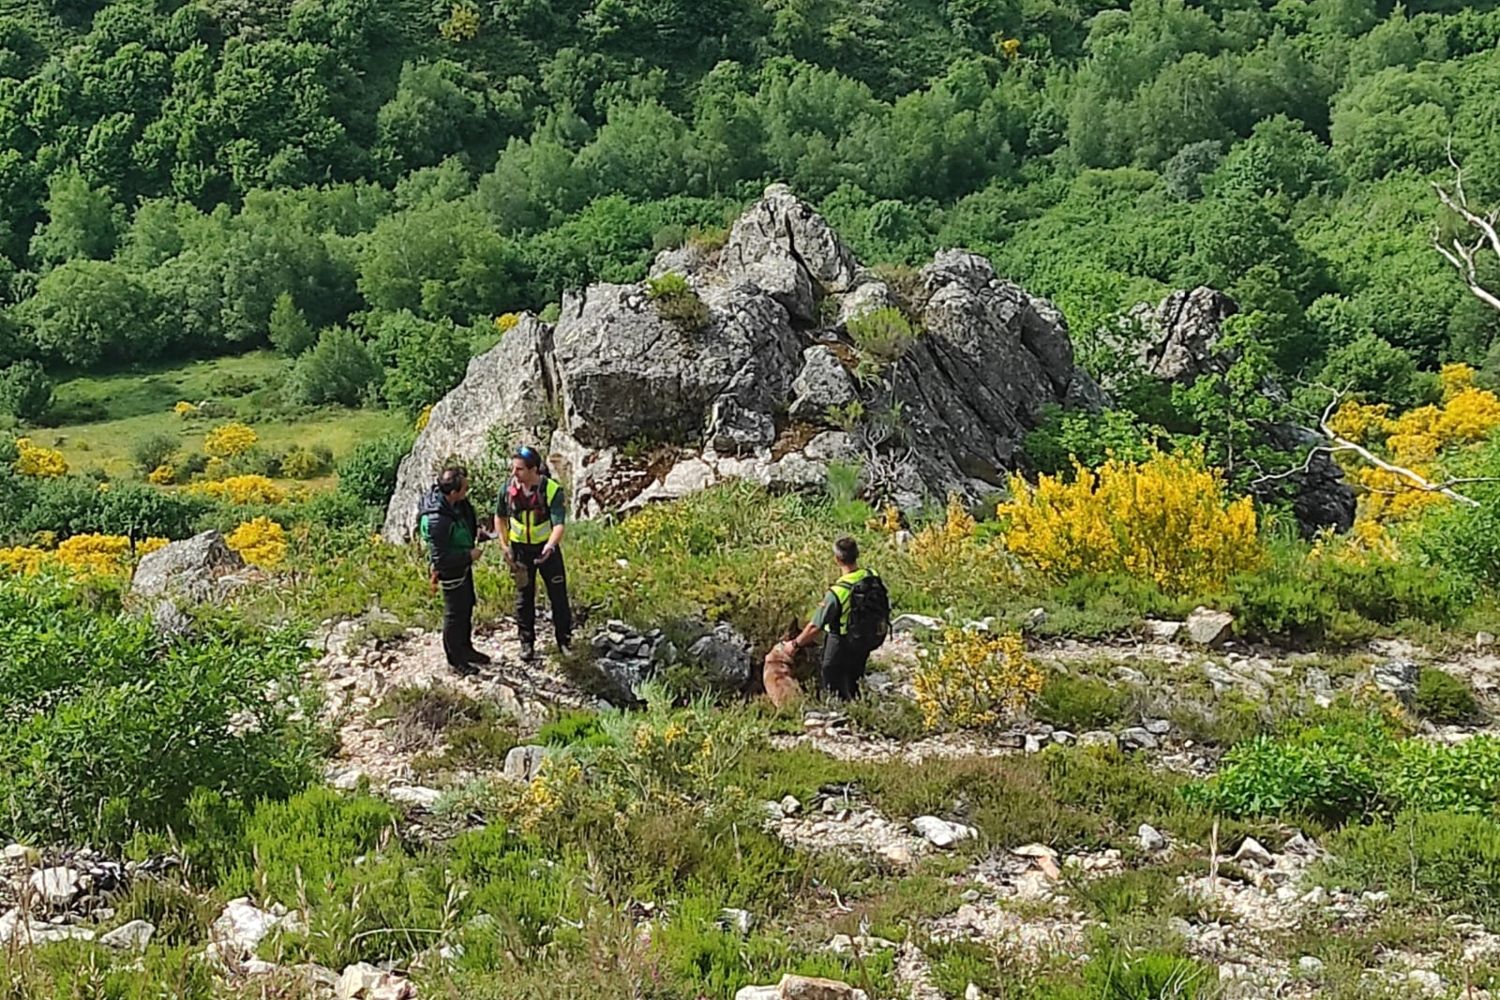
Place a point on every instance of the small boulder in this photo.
(1207, 627)
(823, 384)
(725, 654)
(134, 936)
(1310, 965)
(808, 988)
(790, 806)
(1151, 838)
(915, 624)
(737, 920)
(940, 833)
(758, 993)
(413, 796)
(1252, 851)
(195, 569)
(1399, 677)
(523, 764)
(1161, 631)
(365, 982)
(55, 888)
(1138, 738)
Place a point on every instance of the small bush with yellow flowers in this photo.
(506, 322)
(260, 542)
(947, 542)
(162, 475)
(423, 418)
(976, 680)
(1167, 519)
(1419, 440)
(185, 410)
(241, 490)
(39, 462)
(229, 440)
(79, 557)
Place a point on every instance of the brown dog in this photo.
(776, 674)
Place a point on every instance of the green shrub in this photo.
(180, 915)
(676, 301)
(1149, 891)
(102, 730)
(338, 370)
(1443, 698)
(1080, 703)
(306, 463)
(1350, 770)
(154, 450)
(1452, 860)
(25, 391)
(300, 845)
(882, 337)
(369, 472)
(573, 729)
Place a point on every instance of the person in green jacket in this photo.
(451, 528)
(854, 618)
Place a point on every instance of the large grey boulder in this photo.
(725, 654)
(636, 407)
(504, 400)
(197, 569)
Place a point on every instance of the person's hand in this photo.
(474, 555)
(510, 556)
(547, 551)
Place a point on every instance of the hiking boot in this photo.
(464, 669)
(528, 651)
(479, 659)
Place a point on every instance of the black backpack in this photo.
(869, 615)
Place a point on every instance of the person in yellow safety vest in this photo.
(530, 519)
(855, 617)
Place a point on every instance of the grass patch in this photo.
(1443, 698)
(1079, 703)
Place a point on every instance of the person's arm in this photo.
(502, 526)
(557, 513)
(806, 637)
(814, 628)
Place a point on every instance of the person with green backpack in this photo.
(855, 618)
(451, 530)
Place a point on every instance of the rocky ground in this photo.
(1020, 899)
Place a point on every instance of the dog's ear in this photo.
(790, 632)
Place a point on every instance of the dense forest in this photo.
(352, 178)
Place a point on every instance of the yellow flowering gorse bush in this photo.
(1168, 520)
(260, 542)
(947, 542)
(423, 418)
(506, 322)
(229, 440)
(976, 680)
(162, 475)
(1415, 440)
(39, 462)
(184, 409)
(242, 490)
(80, 556)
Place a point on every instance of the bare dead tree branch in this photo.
(1465, 255)
(1336, 443)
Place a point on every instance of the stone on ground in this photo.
(133, 936)
(941, 833)
(1207, 627)
(808, 988)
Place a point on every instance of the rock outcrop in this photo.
(197, 569)
(634, 406)
(1180, 340)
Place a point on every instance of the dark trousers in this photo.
(843, 668)
(458, 618)
(555, 577)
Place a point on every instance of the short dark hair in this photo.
(452, 479)
(529, 455)
(846, 551)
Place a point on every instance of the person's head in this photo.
(846, 553)
(454, 483)
(526, 465)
